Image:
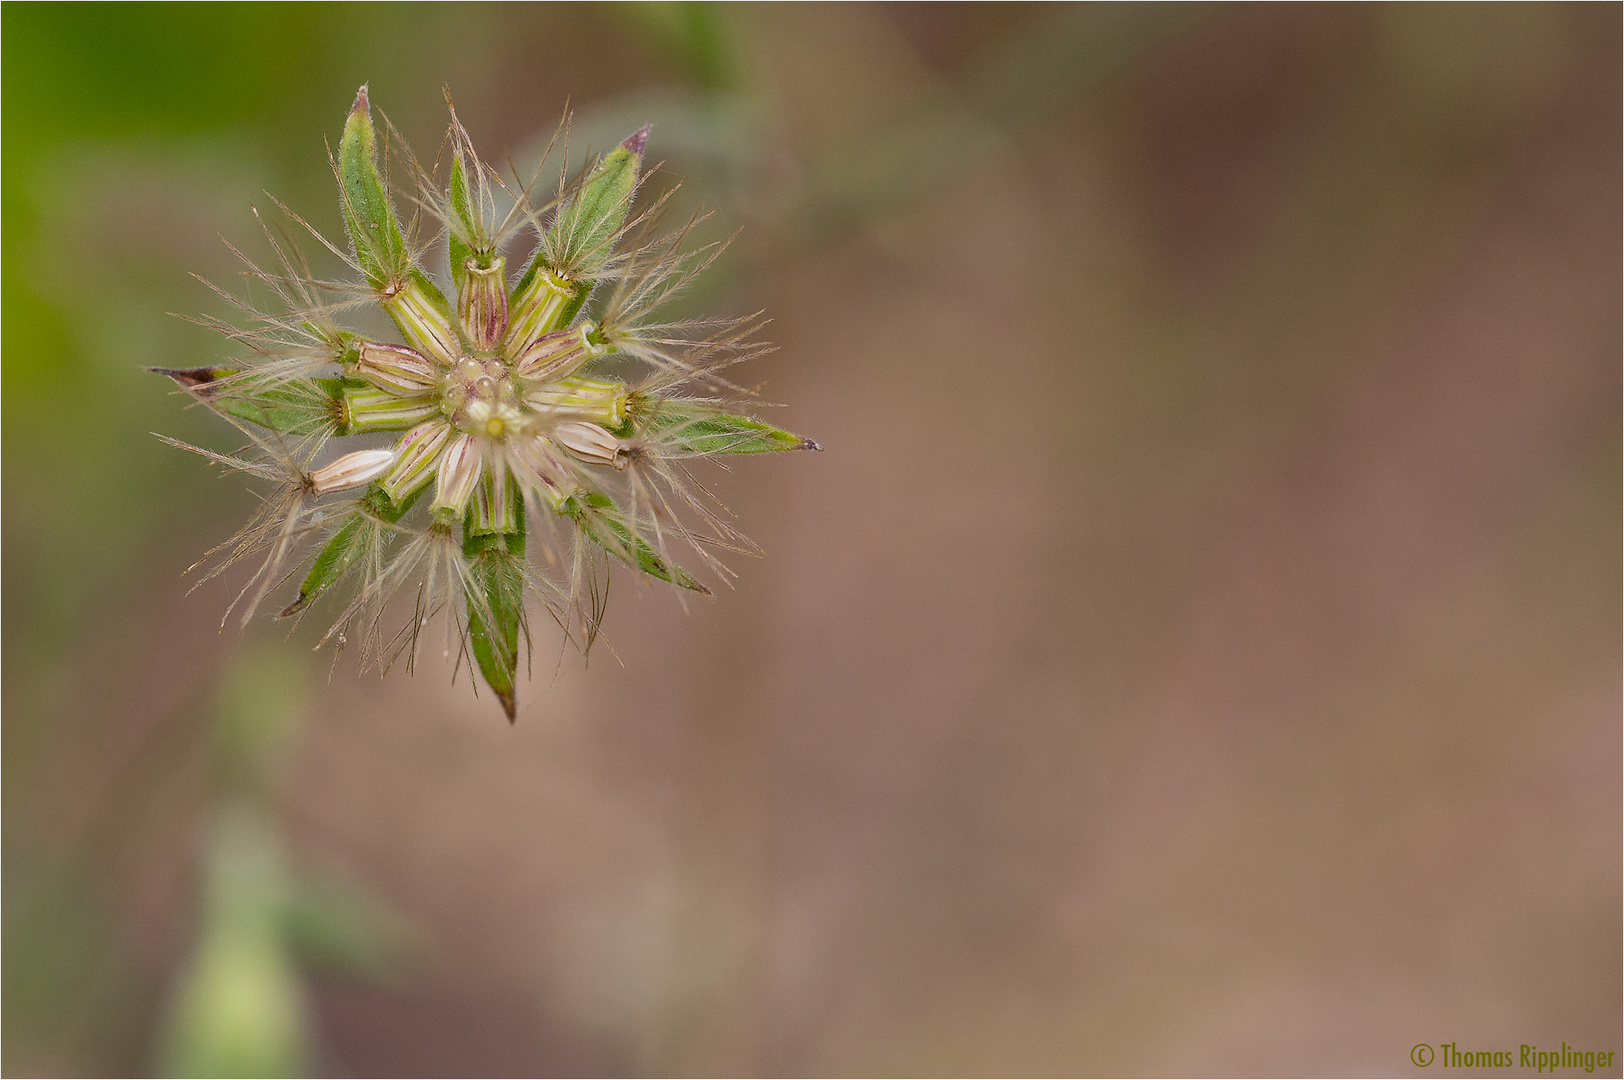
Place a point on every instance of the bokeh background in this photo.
(1197, 649)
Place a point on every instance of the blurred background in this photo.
(1196, 650)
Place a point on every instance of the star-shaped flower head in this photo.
(546, 412)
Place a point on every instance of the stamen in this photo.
(600, 401)
(484, 304)
(423, 323)
(589, 442)
(398, 368)
(560, 353)
(367, 408)
(537, 306)
(351, 471)
(415, 456)
(458, 473)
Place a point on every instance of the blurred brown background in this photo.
(1196, 650)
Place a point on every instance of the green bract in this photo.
(549, 413)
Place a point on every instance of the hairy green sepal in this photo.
(582, 237)
(467, 232)
(606, 525)
(361, 524)
(374, 230)
(292, 406)
(585, 230)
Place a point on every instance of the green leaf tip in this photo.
(194, 378)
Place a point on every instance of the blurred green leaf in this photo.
(240, 1008)
(342, 925)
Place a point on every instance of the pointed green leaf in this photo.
(337, 924)
(695, 430)
(374, 230)
(497, 613)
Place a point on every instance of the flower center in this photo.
(479, 398)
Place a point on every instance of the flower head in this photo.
(548, 411)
